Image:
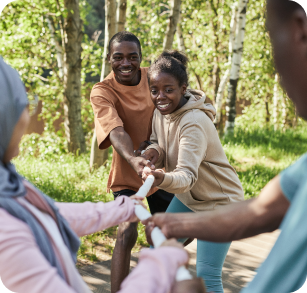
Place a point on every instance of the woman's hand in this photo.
(151, 155)
(158, 174)
(142, 147)
(137, 201)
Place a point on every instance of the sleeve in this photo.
(155, 271)
(155, 144)
(87, 218)
(106, 116)
(293, 176)
(192, 151)
(28, 269)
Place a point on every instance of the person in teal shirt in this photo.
(283, 201)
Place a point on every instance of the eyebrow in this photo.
(118, 53)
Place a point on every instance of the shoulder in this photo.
(104, 89)
(195, 116)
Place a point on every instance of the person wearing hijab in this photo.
(39, 238)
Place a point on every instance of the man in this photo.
(283, 202)
(123, 113)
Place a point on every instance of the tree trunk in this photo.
(121, 15)
(225, 78)
(99, 157)
(72, 77)
(180, 40)
(110, 31)
(58, 46)
(235, 68)
(275, 103)
(284, 113)
(172, 25)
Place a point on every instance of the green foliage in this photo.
(27, 44)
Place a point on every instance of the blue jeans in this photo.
(210, 255)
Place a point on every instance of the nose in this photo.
(126, 62)
(161, 96)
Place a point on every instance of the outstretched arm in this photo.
(232, 222)
(123, 145)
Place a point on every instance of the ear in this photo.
(184, 88)
(141, 58)
(108, 56)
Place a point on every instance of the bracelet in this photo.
(148, 142)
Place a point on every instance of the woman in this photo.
(39, 238)
(185, 143)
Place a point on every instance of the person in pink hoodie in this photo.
(39, 238)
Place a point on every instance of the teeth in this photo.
(163, 106)
(125, 71)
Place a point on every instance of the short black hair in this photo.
(285, 8)
(171, 62)
(124, 36)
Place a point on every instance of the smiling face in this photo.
(125, 59)
(166, 93)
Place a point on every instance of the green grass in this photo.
(257, 155)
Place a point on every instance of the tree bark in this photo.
(275, 103)
(180, 39)
(58, 46)
(225, 78)
(235, 68)
(121, 15)
(72, 77)
(172, 25)
(100, 157)
(110, 31)
(284, 113)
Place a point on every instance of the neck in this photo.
(182, 102)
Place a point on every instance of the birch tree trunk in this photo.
(225, 78)
(284, 112)
(172, 25)
(180, 40)
(121, 15)
(110, 31)
(275, 103)
(58, 46)
(72, 77)
(100, 157)
(235, 68)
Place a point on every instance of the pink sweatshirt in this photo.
(23, 268)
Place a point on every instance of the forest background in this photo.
(37, 38)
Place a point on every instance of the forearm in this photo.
(235, 221)
(86, 218)
(122, 143)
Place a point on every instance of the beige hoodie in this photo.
(198, 171)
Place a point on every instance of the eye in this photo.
(168, 90)
(154, 92)
(117, 58)
(134, 57)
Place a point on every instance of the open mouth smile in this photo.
(163, 106)
(125, 71)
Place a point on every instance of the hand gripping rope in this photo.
(156, 235)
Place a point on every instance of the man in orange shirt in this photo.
(123, 112)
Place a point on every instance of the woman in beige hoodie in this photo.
(186, 144)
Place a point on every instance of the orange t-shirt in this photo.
(131, 107)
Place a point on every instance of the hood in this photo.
(196, 100)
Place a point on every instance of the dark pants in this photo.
(158, 202)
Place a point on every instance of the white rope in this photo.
(156, 235)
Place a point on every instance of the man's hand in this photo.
(138, 164)
(152, 155)
(165, 221)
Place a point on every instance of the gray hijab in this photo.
(13, 100)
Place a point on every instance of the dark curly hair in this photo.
(124, 36)
(171, 62)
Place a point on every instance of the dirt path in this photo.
(243, 258)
